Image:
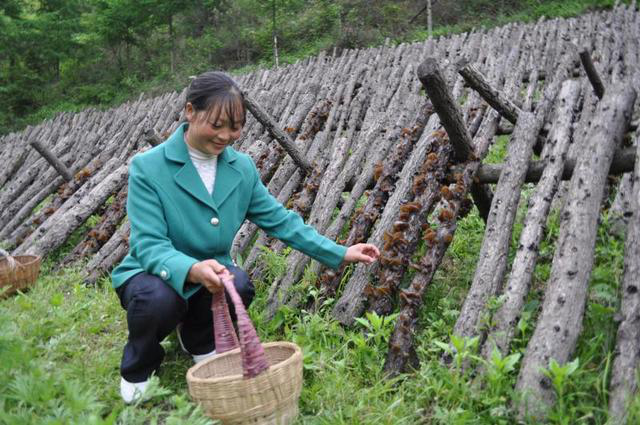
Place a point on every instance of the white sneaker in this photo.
(197, 358)
(132, 391)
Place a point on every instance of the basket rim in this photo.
(23, 260)
(297, 351)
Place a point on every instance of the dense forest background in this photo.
(58, 55)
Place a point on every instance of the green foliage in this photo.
(66, 55)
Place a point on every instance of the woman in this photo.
(187, 199)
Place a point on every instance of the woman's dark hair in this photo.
(216, 92)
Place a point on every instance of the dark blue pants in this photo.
(154, 310)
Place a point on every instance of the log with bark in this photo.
(592, 73)
(401, 241)
(361, 163)
(51, 159)
(506, 318)
(495, 98)
(288, 174)
(624, 384)
(451, 118)
(386, 175)
(55, 231)
(491, 267)
(101, 232)
(401, 353)
(109, 255)
(623, 162)
(351, 303)
(20, 231)
(560, 321)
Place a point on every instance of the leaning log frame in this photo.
(60, 229)
(517, 286)
(401, 353)
(492, 263)
(560, 321)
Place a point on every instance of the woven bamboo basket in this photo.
(246, 382)
(17, 273)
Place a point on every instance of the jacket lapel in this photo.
(228, 177)
(187, 176)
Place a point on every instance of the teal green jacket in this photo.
(175, 223)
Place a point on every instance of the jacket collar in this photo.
(187, 177)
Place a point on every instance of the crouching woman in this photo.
(187, 199)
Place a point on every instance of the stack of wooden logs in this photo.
(352, 143)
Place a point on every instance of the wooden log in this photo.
(52, 216)
(624, 385)
(497, 100)
(361, 162)
(18, 211)
(386, 175)
(304, 200)
(287, 175)
(621, 209)
(623, 162)
(152, 137)
(401, 240)
(399, 356)
(495, 245)
(51, 159)
(560, 321)
(315, 128)
(23, 180)
(109, 255)
(592, 73)
(351, 302)
(451, 118)
(273, 128)
(517, 286)
(14, 161)
(60, 230)
(101, 232)
(434, 84)
(23, 229)
(353, 298)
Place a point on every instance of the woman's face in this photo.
(211, 131)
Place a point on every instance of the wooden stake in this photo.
(51, 159)
(275, 131)
(495, 98)
(623, 162)
(434, 84)
(592, 73)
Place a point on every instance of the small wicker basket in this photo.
(17, 273)
(246, 382)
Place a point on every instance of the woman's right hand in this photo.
(206, 273)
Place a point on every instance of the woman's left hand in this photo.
(362, 253)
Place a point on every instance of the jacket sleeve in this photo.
(149, 241)
(271, 216)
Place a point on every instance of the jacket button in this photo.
(164, 274)
(215, 221)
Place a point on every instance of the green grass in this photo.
(61, 343)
